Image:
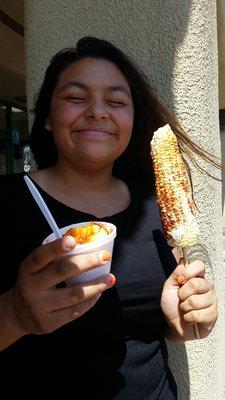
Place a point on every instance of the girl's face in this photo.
(91, 113)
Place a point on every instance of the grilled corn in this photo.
(173, 190)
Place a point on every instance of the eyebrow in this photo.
(119, 88)
(79, 85)
(73, 84)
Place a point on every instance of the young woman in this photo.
(94, 118)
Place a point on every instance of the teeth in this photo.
(173, 190)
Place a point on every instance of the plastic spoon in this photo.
(43, 206)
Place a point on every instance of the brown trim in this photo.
(11, 23)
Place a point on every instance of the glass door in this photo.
(14, 139)
(3, 134)
(20, 140)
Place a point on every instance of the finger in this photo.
(90, 260)
(63, 316)
(205, 316)
(194, 286)
(197, 302)
(195, 268)
(46, 253)
(60, 270)
(66, 297)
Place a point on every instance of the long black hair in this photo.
(134, 166)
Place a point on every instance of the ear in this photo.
(48, 124)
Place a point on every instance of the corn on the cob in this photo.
(173, 190)
(174, 194)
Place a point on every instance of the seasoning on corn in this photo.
(173, 190)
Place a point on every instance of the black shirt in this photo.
(117, 349)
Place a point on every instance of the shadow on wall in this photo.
(222, 140)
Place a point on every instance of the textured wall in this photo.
(221, 46)
(175, 43)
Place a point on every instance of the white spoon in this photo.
(43, 206)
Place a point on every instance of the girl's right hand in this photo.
(38, 305)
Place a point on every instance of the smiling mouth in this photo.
(94, 133)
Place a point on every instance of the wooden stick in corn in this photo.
(173, 192)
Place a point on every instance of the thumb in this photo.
(46, 253)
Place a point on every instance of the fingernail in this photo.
(69, 243)
(181, 280)
(104, 255)
(110, 280)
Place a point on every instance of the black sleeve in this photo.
(21, 227)
(165, 252)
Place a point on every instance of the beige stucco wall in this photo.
(221, 46)
(176, 44)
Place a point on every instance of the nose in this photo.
(97, 110)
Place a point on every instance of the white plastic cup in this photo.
(105, 243)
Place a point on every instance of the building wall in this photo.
(176, 44)
(221, 46)
(221, 54)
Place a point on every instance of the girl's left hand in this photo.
(188, 299)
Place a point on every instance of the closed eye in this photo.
(75, 99)
(116, 103)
